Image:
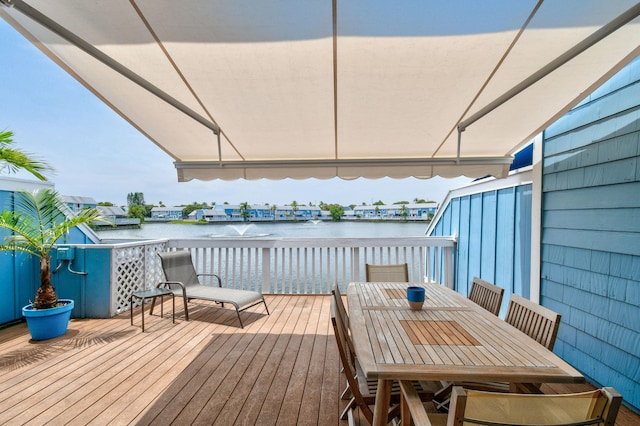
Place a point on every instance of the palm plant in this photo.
(37, 221)
(244, 210)
(15, 159)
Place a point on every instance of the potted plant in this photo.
(37, 221)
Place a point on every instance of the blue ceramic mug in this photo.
(415, 296)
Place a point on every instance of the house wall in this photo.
(590, 260)
(492, 224)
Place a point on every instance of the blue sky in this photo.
(98, 154)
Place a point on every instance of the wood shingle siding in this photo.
(591, 233)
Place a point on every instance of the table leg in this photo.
(142, 313)
(383, 400)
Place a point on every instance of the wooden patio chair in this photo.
(341, 311)
(537, 322)
(486, 295)
(384, 273)
(361, 397)
(598, 407)
(362, 392)
(183, 280)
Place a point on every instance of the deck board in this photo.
(281, 369)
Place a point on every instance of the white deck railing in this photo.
(285, 265)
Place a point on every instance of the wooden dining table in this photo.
(449, 339)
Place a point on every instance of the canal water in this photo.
(311, 229)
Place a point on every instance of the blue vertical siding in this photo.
(488, 234)
(591, 233)
(494, 238)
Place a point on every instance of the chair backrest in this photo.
(599, 406)
(487, 295)
(340, 308)
(341, 312)
(538, 322)
(387, 273)
(177, 266)
(343, 341)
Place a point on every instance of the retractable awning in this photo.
(350, 88)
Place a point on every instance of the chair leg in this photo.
(351, 421)
(239, 319)
(351, 405)
(186, 309)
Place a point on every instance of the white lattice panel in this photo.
(134, 268)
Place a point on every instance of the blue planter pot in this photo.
(48, 323)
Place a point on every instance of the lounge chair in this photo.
(183, 280)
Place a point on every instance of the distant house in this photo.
(421, 211)
(166, 213)
(232, 212)
(210, 215)
(77, 203)
(260, 213)
(117, 216)
(284, 213)
(308, 212)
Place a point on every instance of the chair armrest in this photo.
(168, 284)
(212, 275)
(411, 405)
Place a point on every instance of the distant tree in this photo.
(105, 204)
(244, 210)
(161, 204)
(403, 211)
(420, 201)
(401, 202)
(379, 203)
(135, 199)
(294, 206)
(336, 211)
(136, 211)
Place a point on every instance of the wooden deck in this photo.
(280, 369)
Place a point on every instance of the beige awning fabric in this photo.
(351, 88)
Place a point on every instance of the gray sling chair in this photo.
(182, 279)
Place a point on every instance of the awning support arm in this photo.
(583, 45)
(81, 44)
(219, 150)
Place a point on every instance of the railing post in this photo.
(266, 270)
(355, 264)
